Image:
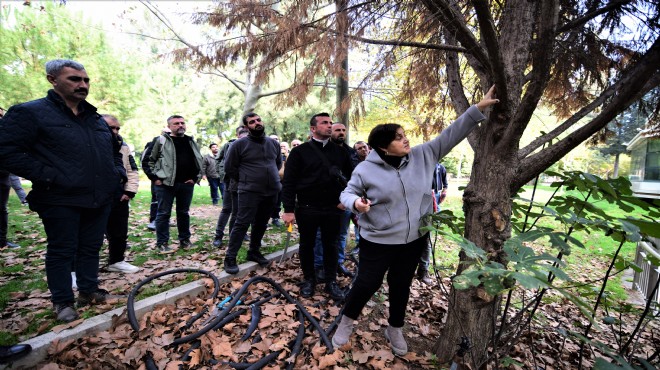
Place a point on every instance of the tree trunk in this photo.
(615, 172)
(487, 206)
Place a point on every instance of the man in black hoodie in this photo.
(253, 162)
(316, 172)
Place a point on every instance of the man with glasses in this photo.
(176, 166)
(65, 148)
(117, 227)
(253, 162)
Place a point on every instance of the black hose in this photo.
(297, 345)
(254, 321)
(130, 304)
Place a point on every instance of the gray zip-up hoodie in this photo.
(401, 197)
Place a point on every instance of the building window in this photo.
(652, 168)
(637, 160)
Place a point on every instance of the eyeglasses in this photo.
(114, 128)
(254, 121)
(78, 79)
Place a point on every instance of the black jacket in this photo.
(309, 181)
(255, 162)
(71, 160)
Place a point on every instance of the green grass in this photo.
(26, 229)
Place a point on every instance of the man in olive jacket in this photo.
(176, 164)
(65, 148)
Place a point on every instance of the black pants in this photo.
(229, 203)
(310, 219)
(253, 209)
(4, 199)
(153, 208)
(117, 231)
(399, 261)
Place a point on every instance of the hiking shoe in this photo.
(307, 288)
(151, 226)
(65, 312)
(276, 222)
(426, 279)
(11, 245)
(185, 243)
(396, 340)
(164, 249)
(217, 243)
(230, 266)
(334, 291)
(256, 256)
(123, 266)
(99, 296)
(343, 332)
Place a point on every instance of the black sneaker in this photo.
(217, 243)
(65, 312)
(164, 249)
(230, 266)
(185, 243)
(307, 288)
(99, 296)
(9, 354)
(276, 222)
(334, 291)
(256, 256)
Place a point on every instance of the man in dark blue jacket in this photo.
(65, 148)
(253, 162)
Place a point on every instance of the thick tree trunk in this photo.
(487, 206)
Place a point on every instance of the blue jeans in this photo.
(214, 184)
(183, 193)
(74, 234)
(344, 223)
(18, 188)
(252, 209)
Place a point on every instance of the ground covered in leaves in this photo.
(547, 343)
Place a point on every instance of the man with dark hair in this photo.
(316, 172)
(65, 148)
(230, 194)
(253, 162)
(362, 150)
(175, 165)
(210, 173)
(117, 227)
(144, 163)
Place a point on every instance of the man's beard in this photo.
(257, 131)
(338, 140)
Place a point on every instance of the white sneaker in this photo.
(74, 284)
(123, 266)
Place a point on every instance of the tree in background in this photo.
(613, 139)
(587, 60)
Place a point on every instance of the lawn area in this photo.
(24, 297)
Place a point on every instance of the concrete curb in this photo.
(102, 322)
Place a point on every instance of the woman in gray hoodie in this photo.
(391, 190)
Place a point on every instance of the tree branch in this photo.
(454, 22)
(631, 87)
(222, 74)
(591, 15)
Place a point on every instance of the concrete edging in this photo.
(102, 322)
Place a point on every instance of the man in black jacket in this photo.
(65, 148)
(254, 162)
(316, 172)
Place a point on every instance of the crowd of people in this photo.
(84, 176)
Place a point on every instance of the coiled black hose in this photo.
(224, 317)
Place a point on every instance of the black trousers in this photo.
(399, 261)
(310, 219)
(117, 231)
